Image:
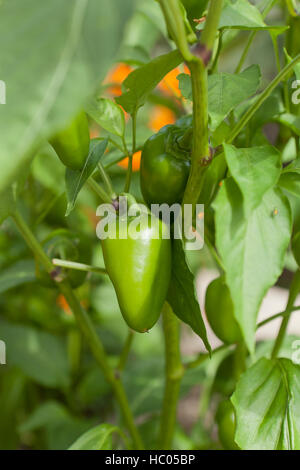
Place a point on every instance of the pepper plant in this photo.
(91, 330)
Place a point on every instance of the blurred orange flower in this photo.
(161, 116)
(116, 76)
(170, 85)
(94, 132)
(136, 161)
(63, 304)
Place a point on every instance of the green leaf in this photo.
(267, 405)
(40, 355)
(296, 67)
(182, 296)
(68, 57)
(291, 121)
(143, 80)
(98, 438)
(146, 395)
(61, 427)
(93, 387)
(212, 178)
(7, 204)
(241, 14)
(255, 170)
(246, 241)
(185, 85)
(21, 272)
(12, 398)
(225, 91)
(153, 12)
(75, 179)
(48, 170)
(141, 33)
(290, 178)
(108, 115)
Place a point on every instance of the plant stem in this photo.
(32, 242)
(261, 99)
(174, 373)
(47, 209)
(77, 266)
(294, 291)
(200, 150)
(274, 317)
(130, 156)
(175, 25)
(216, 59)
(106, 180)
(87, 328)
(211, 24)
(202, 357)
(125, 351)
(98, 190)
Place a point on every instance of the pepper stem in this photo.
(174, 374)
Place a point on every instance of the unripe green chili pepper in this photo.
(220, 312)
(72, 143)
(165, 165)
(66, 245)
(225, 381)
(139, 268)
(226, 421)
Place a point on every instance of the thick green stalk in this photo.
(87, 328)
(294, 291)
(211, 24)
(174, 374)
(175, 25)
(197, 65)
(200, 149)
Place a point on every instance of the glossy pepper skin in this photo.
(226, 421)
(165, 166)
(140, 271)
(72, 143)
(66, 245)
(220, 312)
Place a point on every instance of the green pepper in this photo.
(165, 165)
(225, 381)
(72, 143)
(226, 421)
(139, 268)
(65, 245)
(220, 312)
